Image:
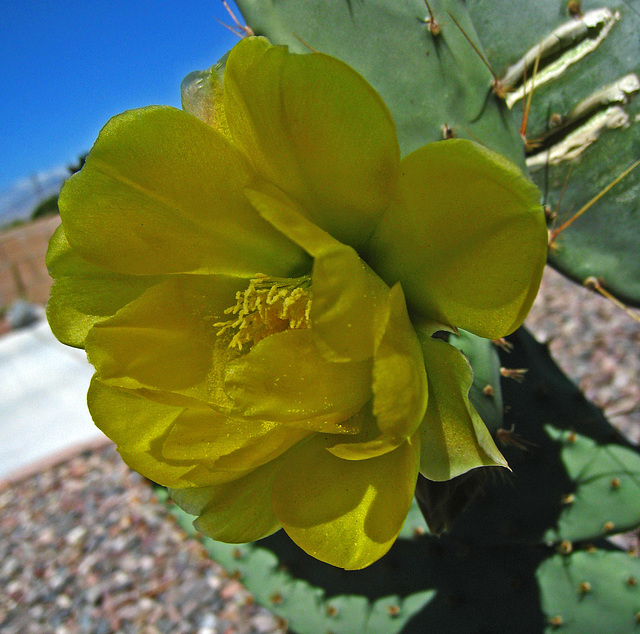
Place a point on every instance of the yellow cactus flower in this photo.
(257, 280)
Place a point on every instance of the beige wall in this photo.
(23, 272)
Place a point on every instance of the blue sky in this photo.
(68, 66)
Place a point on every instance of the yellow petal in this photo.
(399, 387)
(348, 309)
(181, 447)
(84, 294)
(346, 513)
(225, 444)
(467, 240)
(165, 340)
(161, 192)
(399, 377)
(284, 378)
(139, 428)
(236, 512)
(349, 299)
(315, 128)
(454, 438)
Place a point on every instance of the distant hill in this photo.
(18, 201)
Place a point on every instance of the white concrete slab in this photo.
(43, 387)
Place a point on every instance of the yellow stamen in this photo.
(268, 306)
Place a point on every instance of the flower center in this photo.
(270, 305)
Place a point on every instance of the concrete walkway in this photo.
(43, 386)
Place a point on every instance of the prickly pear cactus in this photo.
(526, 551)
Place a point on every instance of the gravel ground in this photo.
(86, 547)
(595, 343)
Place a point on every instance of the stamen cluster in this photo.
(268, 306)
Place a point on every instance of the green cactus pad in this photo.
(427, 81)
(596, 591)
(605, 495)
(604, 83)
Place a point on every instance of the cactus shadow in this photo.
(465, 588)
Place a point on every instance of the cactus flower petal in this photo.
(234, 512)
(139, 426)
(345, 512)
(85, 294)
(228, 447)
(258, 291)
(481, 234)
(160, 439)
(284, 378)
(399, 388)
(340, 162)
(151, 160)
(170, 328)
(454, 438)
